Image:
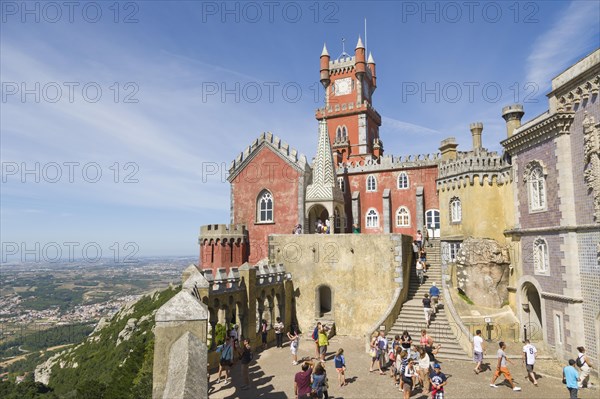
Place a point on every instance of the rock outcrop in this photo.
(482, 271)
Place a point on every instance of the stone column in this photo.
(356, 208)
(420, 208)
(387, 225)
(248, 276)
(180, 331)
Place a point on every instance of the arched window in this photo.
(371, 183)
(338, 133)
(265, 207)
(344, 133)
(540, 256)
(341, 184)
(537, 189)
(403, 180)
(402, 217)
(372, 219)
(455, 210)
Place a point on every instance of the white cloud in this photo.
(576, 32)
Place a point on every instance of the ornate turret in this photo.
(476, 129)
(512, 114)
(359, 55)
(371, 65)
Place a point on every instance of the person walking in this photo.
(373, 351)
(502, 369)
(315, 338)
(427, 309)
(424, 369)
(225, 359)
(438, 381)
(340, 366)
(426, 236)
(529, 355)
(420, 271)
(584, 364)
(434, 293)
(415, 249)
(294, 343)
(571, 378)
(419, 239)
(382, 345)
(246, 357)
(263, 333)
(279, 327)
(323, 341)
(478, 350)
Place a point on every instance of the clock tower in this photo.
(352, 122)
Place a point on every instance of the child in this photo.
(340, 366)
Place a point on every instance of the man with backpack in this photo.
(226, 359)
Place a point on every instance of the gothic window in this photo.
(455, 210)
(537, 189)
(338, 133)
(341, 184)
(265, 207)
(371, 183)
(402, 180)
(540, 256)
(402, 217)
(344, 133)
(372, 219)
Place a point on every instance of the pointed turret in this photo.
(371, 65)
(359, 56)
(325, 80)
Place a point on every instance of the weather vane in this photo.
(344, 53)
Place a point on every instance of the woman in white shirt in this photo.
(423, 369)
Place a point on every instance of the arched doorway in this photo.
(324, 302)
(532, 308)
(316, 213)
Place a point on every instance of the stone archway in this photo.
(316, 212)
(531, 305)
(324, 302)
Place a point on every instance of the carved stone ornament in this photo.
(533, 165)
(591, 169)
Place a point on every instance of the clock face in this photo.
(343, 86)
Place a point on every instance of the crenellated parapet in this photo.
(487, 166)
(388, 162)
(349, 108)
(281, 147)
(224, 233)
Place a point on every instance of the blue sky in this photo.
(185, 86)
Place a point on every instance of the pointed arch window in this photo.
(455, 210)
(537, 189)
(402, 181)
(265, 207)
(541, 260)
(371, 183)
(402, 217)
(372, 219)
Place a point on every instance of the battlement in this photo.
(476, 125)
(349, 107)
(342, 64)
(512, 109)
(274, 142)
(223, 231)
(388, 162)
(486, 165)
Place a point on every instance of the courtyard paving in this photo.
(272, 375)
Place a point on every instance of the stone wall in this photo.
(363, 272)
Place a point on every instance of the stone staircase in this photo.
(411, 315)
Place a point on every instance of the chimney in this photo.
(476, 129)
(512, 114)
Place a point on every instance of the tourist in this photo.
(420, 271)
(502, 369)
(340, 366)
(419, 239)
(323, 341)
(478, 349)
(302, 383)
(423, 258)
(427, 343)
(355, 229)
(245, 359)
(327, 226)
(406, 341)
(373, 352)
(434, 293)
(225, 360)
(382, 344)
(408, 379)
(529, 355)
(319, 226)
(584, 364)
(426, 236)
(427, 309)
(403, 362)
(263, 333)
(571, 378)
(297, 229)
(438, 381)
(423, 369)
(318, 380)
(395, 344)
(396, 365)
(415, 249)
(326, 382)
(315, 338)
(279, 327)
(294, 343)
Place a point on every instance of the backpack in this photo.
(315, 335)
(580, 362)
